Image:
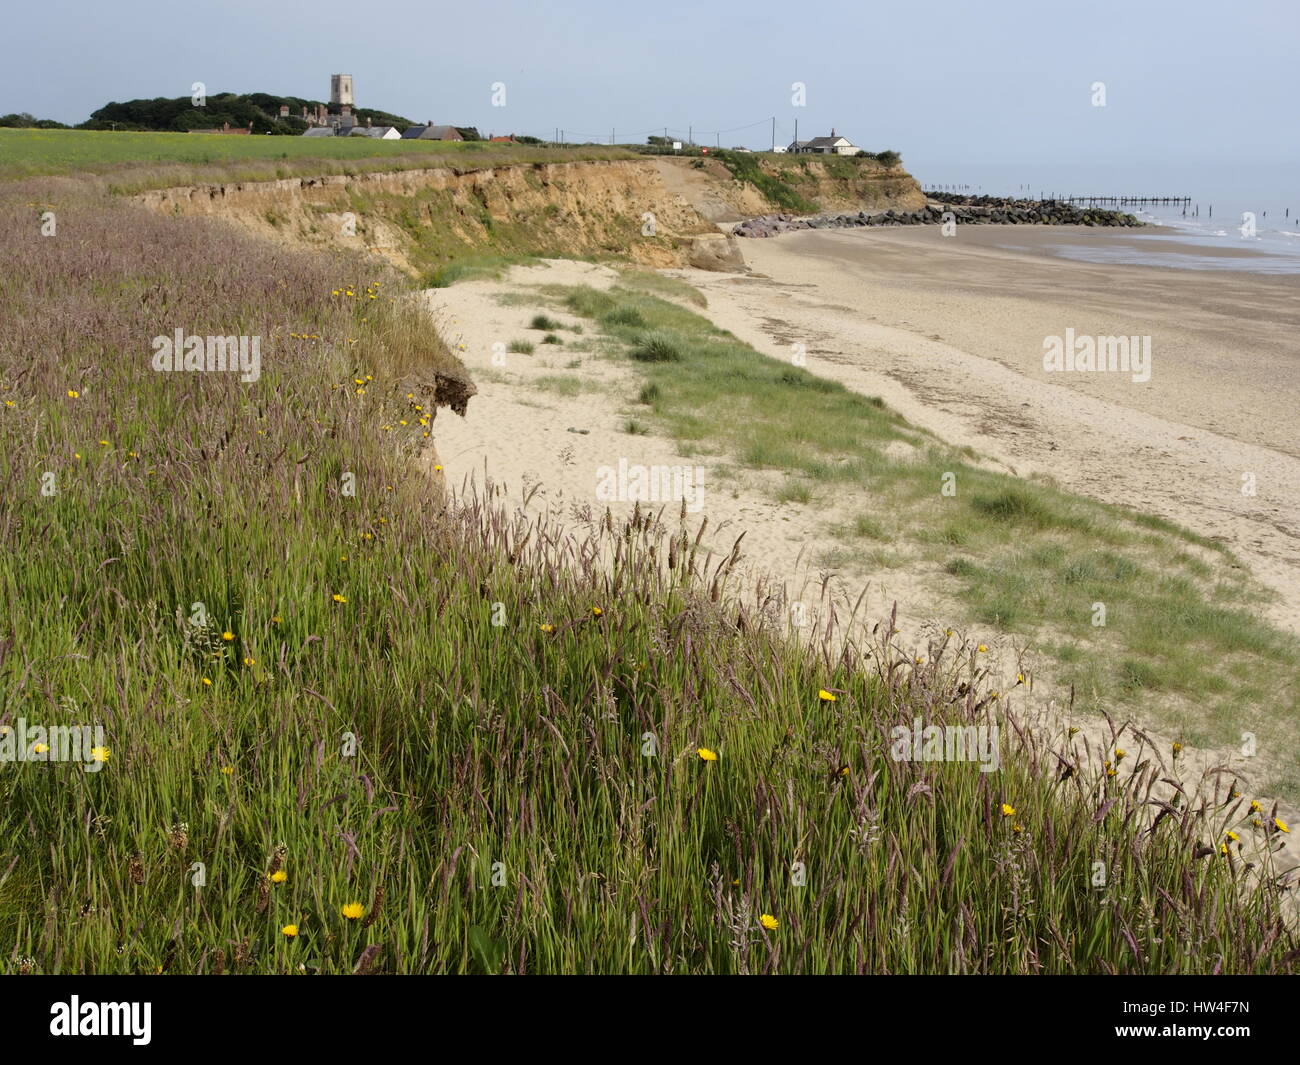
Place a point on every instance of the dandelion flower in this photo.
(548, 627)
(982, 648)
(101, 754)
(40, 748)
(1281, 825)
(249, 661)
(279, 876)
(1008, 810)
(353, 910)
(1016, 826)
(207, 682)
(289, 931)
(227, 636)
(596, 612)
(769, 922)
(338, 598)
(1233, 837)
(1254, 806)
(826, 697)
(437, 469)
(276, 619)
(707, 755)
(73, 394)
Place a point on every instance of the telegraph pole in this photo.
(774, 133)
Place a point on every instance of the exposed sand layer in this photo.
(950, 332)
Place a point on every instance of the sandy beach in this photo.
(950, 332)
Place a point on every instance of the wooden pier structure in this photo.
(1123, 201)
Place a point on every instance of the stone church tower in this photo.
(341, 90)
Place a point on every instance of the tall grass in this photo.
(482, 731)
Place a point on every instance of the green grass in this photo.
(521, 347)
(32, 152)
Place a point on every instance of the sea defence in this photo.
(1005, 213)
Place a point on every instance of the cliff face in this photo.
(656, 211)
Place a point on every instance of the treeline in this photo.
(261, 110)
(22, 120)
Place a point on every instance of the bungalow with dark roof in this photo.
(430, 132)
(832, 145)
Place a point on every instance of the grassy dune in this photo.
(431, 738)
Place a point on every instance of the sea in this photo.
(1212, 232)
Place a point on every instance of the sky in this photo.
(1198, 95)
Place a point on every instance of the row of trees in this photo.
(260, 110)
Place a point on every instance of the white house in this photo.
(832, 145)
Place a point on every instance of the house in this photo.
(379, 133)
(503, 140)
(430, 132)
(832, 145)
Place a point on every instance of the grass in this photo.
(475, 266)
(521, 347)
(153, 160)
(479, 735)
(1026, 558)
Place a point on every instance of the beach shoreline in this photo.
(950, 332)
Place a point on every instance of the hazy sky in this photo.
(980, 92)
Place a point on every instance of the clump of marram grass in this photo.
(521, 347)
(541, 321)
(551, 338)
(405, 701)
(657, 347)
(623, 315)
